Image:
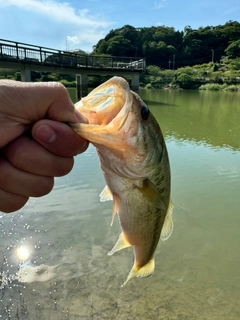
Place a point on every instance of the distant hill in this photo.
(168, 48)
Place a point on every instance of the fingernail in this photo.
(46, 134)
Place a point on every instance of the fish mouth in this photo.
(104, 103)
(107, 109)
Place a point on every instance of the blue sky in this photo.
(78, 24)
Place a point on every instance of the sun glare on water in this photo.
(23, 253)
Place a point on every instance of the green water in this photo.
(197, 269)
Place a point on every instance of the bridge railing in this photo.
(31, 54)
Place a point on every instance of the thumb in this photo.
(58, 138)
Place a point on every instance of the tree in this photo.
(119, 46)
(233, 50)
(159, 44)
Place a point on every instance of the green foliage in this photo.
(186, 70)
(67, 83)
(47, 76)
(158, 78)
(186, 81)
(5, 73)
(232, 87)
(162, 45)
(208, 76)
(17, 76)
(211, 86)
(153, 70)
(234, 64)
(233, 50)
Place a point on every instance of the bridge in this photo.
(27, 58)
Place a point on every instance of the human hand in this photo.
(28, 166)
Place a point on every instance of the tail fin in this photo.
(143, 272)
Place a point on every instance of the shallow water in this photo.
(197, 269)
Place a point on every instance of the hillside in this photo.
(170, 49)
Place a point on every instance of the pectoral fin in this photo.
(168, 223)
(106, 195)
(120, 244)
(150, 191)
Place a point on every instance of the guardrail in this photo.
(11, 51)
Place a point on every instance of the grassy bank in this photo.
(216, 86)
(223, 75)
(209, 76)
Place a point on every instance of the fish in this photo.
(135, 164)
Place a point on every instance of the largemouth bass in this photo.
(134, 161)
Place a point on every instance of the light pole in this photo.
(212, 55)
(173, 67)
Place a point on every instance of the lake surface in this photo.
(197, 269)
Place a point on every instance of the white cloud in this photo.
(79, 27)
(83, 41)
(73, 39)
(90, 37)
(159, 4)
(59, 11)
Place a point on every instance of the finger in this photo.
(60, 106)
(58, 138)
(29, 156)
(10, 202)
(36, 100)
(23, 183)
(29, 102)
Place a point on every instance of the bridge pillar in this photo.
(26, 74)
(81, 85)
(135, 82)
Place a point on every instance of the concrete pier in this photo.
(81, 85)
(26, 73)
(135, 82)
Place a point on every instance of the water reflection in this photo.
(197, 269)
(202, 116)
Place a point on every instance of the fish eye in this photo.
(145, 112)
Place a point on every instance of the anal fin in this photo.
(120, 244)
